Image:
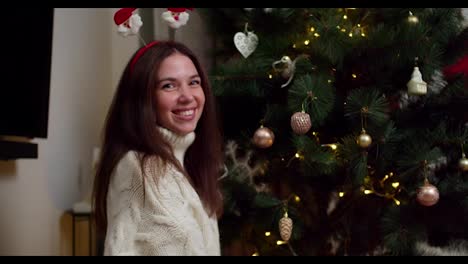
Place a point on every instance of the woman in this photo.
(156, 190)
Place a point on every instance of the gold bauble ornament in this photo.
(300, 122)
(263, 137)
(463, 163)
(364, 140)
(285, 227)
(427, 195)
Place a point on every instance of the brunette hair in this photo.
(131, 126)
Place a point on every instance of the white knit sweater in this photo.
(168, 219)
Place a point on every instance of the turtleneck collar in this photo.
(179, 143)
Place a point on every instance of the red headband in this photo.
(140, 53)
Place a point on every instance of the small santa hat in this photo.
(123, 15)
(178, 9)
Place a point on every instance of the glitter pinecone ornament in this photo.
(285, 227)
(300, 122)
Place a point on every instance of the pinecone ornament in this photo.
(285, 227)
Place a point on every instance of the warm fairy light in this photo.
(297, 199)
(391, 174)
(255, 254)
(316, 35)
(343, 30)
(329, 81)
(363, 34)
(367, 191)
(306, 42)
(267, 233)
(396, 201)
(341, 194)
(297, 155)
(312, 29)
(385, 177)
(280, 242)
(359, 25)
(314, 133)
(395, 184)
(270, 76)
(333, 146)
(350, 34)
(282, 159)
(345, 17)
(412, 18)
(354, 76)
(294, 46)
(338, 27)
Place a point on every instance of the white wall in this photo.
(34, 193)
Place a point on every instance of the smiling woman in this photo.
(156, 190)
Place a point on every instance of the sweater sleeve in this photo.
(124, 202)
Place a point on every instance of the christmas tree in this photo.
(346, 130)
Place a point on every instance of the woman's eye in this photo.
(195, 82)
(167, 86)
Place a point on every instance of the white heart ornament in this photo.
(246, 44)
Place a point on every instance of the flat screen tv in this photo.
(26, 64)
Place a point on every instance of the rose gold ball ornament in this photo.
(364, 140)
(300, 122)
(263, 137)
(463, 163)
(427, 194)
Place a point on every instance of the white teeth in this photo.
(187, 113)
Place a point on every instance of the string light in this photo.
(297, 198)
(306, 42)
(383, 191)
(255, 254)
(341, 194)
(270, 76)
(267, 233)
(412, 18)
(280, 242)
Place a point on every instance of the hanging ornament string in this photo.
(364, 140)
(364, 112)
(427, 194)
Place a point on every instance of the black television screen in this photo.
(27, 49)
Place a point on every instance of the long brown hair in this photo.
(131, 126)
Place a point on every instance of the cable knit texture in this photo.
(166, 219)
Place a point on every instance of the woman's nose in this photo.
(185, 94)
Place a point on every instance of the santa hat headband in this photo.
(140, 53)
(123, 15)
(129, 24)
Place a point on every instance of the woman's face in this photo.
(179, 95)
